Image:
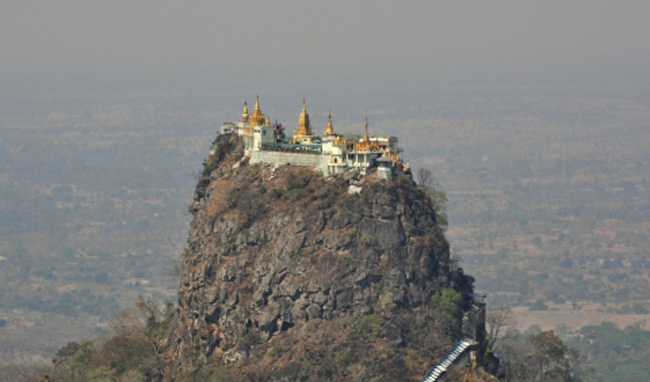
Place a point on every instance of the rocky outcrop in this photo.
(286, 267)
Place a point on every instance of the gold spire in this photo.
(330, 130)
(257, 118)
(365, 144)
(257, 104)
(366, 136)
(304, 126)
(244, 115)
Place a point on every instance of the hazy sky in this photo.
(308, 42)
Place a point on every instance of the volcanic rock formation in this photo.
(289, 276)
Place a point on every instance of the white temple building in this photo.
(331, 153)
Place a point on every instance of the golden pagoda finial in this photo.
(330, 130)
(366, 136)
(257, 118)
(365, 144)
(257, 103)
(304, 126)
(244, 115)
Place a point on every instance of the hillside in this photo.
(288, 275)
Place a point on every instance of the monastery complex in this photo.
(330, 153)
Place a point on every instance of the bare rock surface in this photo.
(286, 267)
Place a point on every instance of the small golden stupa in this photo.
(329, 132)
(257, 118)
(244, 114)
(365, 144)
(304, 126)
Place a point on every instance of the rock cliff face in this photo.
(287, 275)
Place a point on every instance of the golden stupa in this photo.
(257, 118)
(244, 114)
(304, 126)
(329, 132)
(365, 144)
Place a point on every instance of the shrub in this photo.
(223, 145)
(368, 325)
(446, 303)
(123, 352)
(385, 303)
(538, 306)
(367, 240)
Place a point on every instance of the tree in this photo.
(542, 357)
(549, 360)
(425, 178)
(446, 304)
(497, 320)
(72, 360)
(146, 323)
(430, 185)
(131, 354)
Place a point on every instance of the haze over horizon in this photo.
(533, 117)
(123, 46)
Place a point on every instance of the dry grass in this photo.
(592, 314)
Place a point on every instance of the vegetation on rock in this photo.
(289, 276)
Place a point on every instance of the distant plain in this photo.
(548, 195)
